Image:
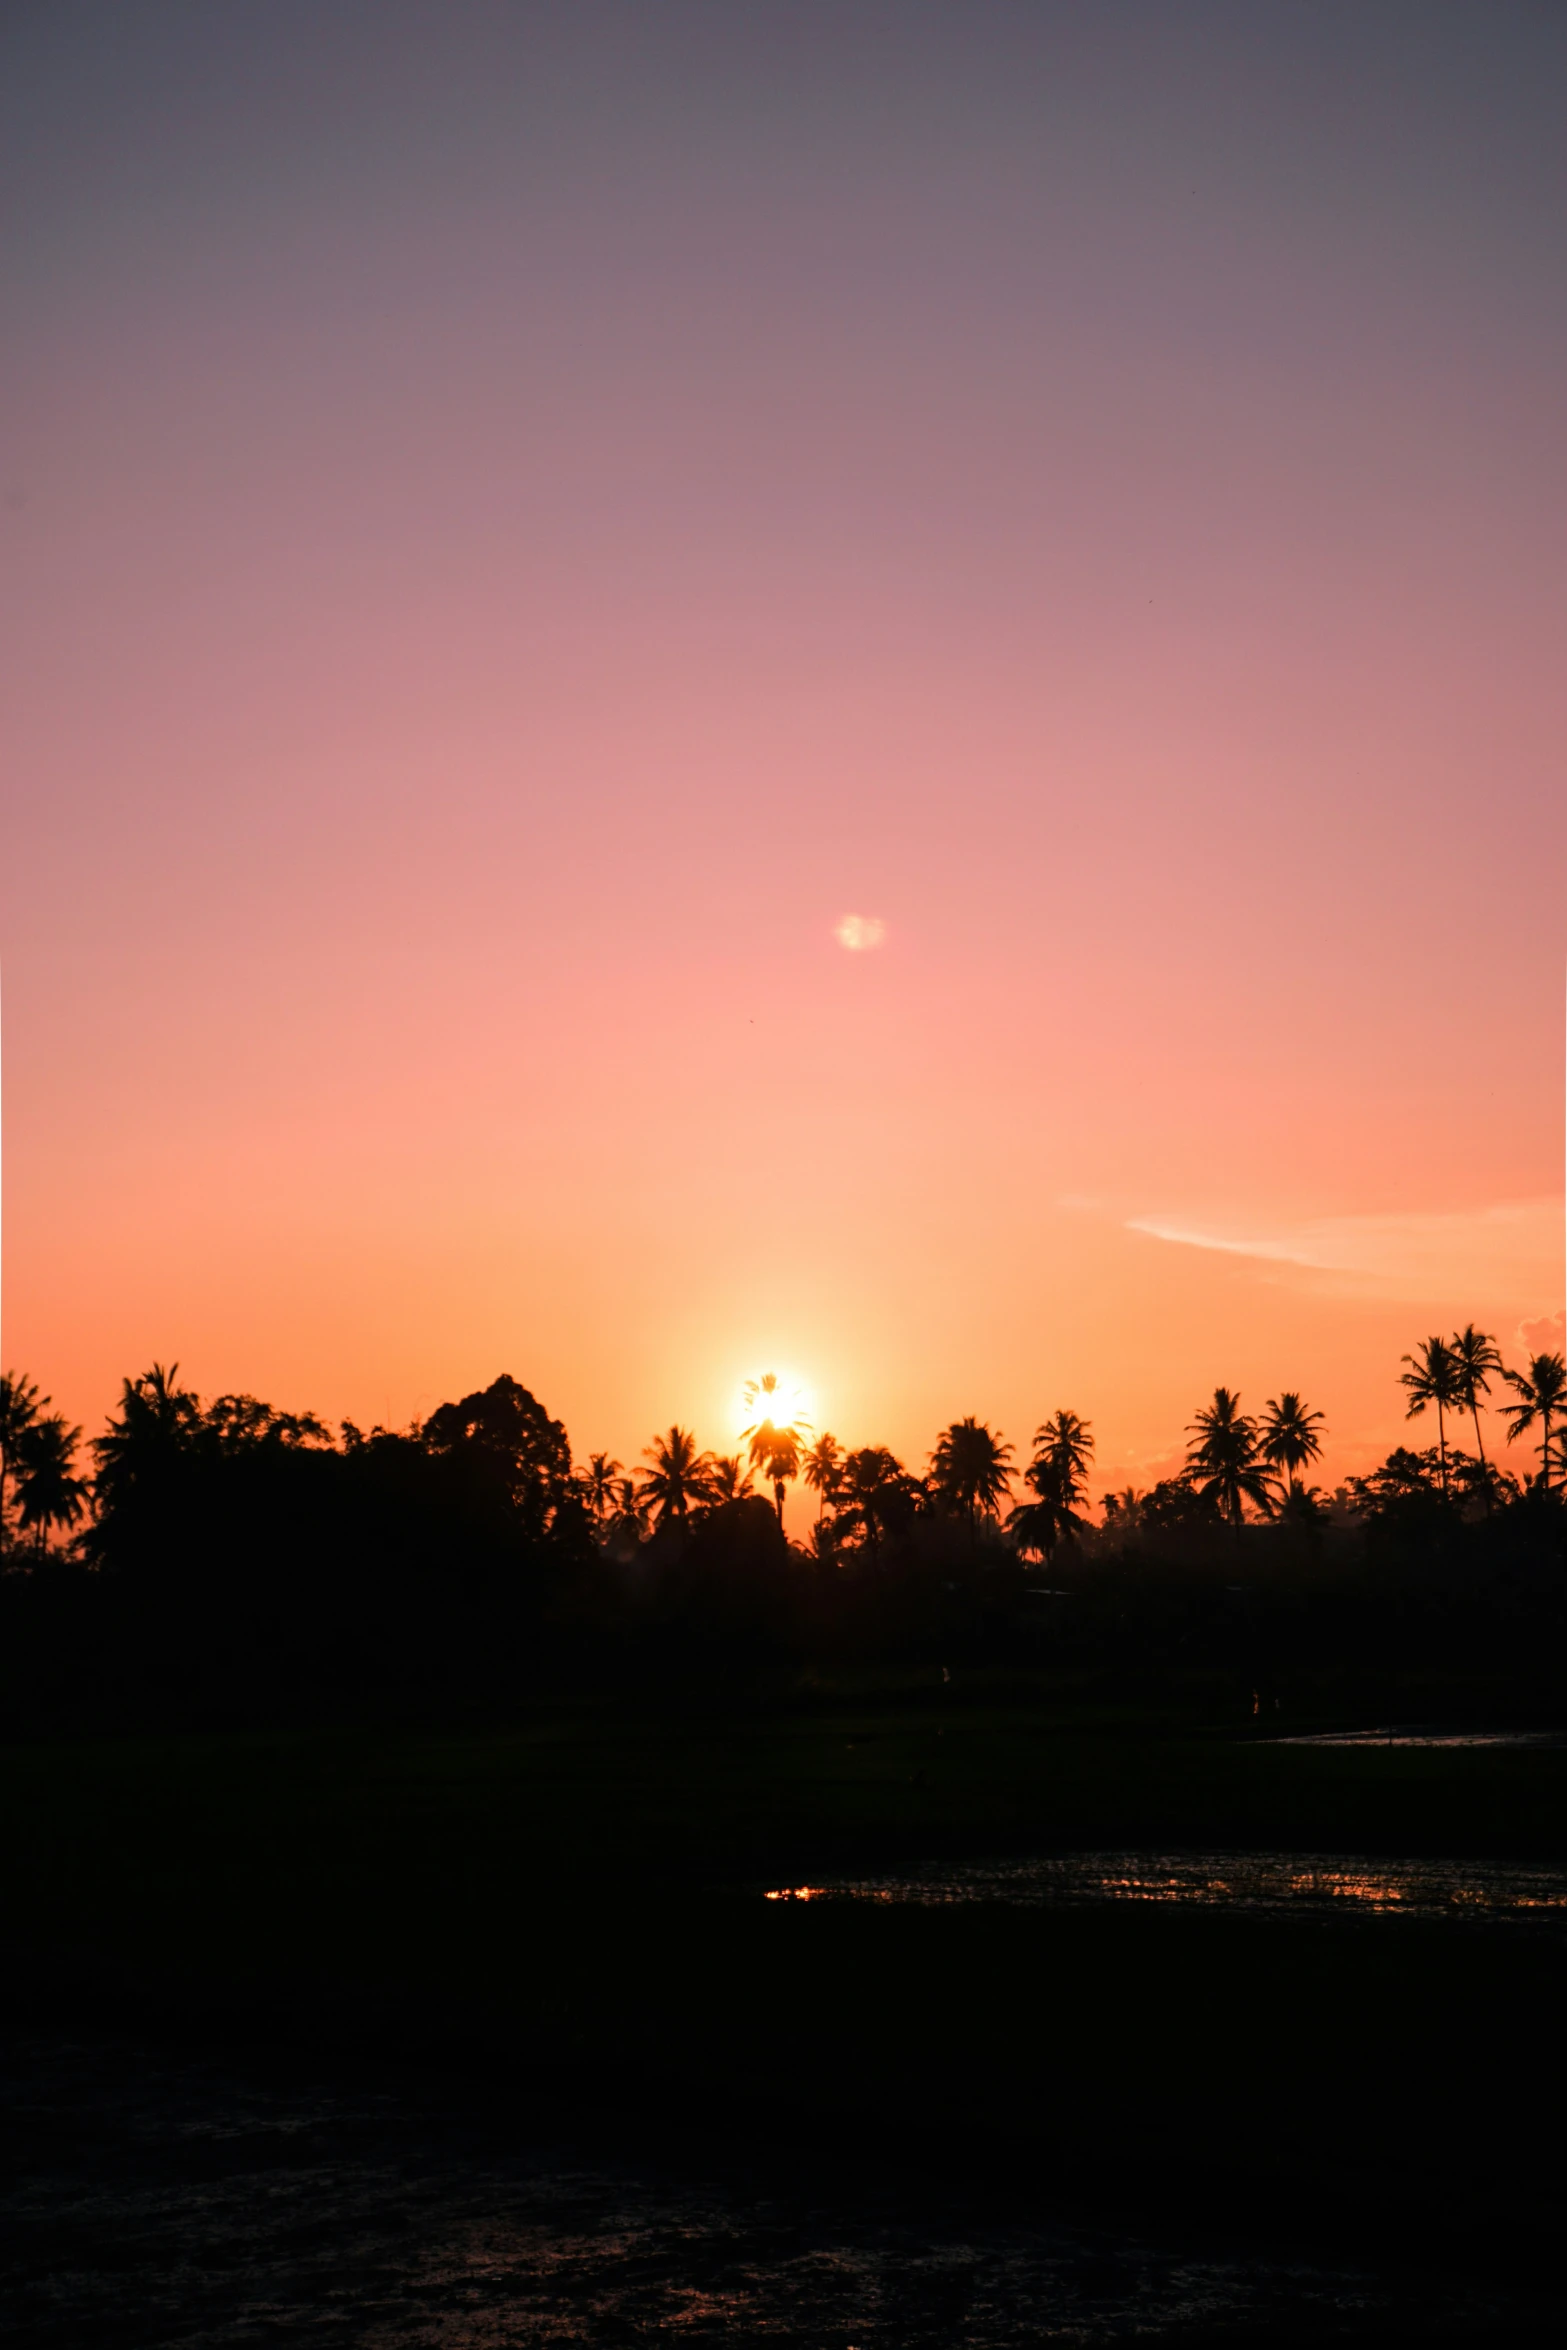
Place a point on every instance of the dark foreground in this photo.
(159, 2198)
(493, 2037)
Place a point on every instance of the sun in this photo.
(777, 1396)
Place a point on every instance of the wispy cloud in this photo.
(1511, 1251)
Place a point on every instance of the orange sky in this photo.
(509, 539)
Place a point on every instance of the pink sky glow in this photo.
(511, 538)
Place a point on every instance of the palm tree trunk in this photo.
(1545, 1451)
(1474, 1414)
(778, 1494)
(1441, 1438)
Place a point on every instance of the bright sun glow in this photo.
(789, 1399)
(860, 932)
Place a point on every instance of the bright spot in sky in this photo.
(789, 1400)
(860, 932)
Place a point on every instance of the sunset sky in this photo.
(518, 523)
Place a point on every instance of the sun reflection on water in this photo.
(1277, 1882)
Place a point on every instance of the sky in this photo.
(871, 690)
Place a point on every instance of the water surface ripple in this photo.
(1278, 1883)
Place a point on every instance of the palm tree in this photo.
(50, 1492)
(678, 1479)
(631, 1511)
(777, 1452)
(1067, 1444)
(20, 1404)
(1477, 1357)
(1037, 1526)
(1305, 1506)
(1058, 1478)
(774, 1445)
(876, 1495)
(728, 1480)
(1542, 1393)
(1124, 1507)
(823, 1469)
(1433, 1377)
(766, 1400)
(1225, 1455)
(1288, 1437)
(969, 1468)
(598, 1485)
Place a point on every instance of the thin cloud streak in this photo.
(1510, 1250)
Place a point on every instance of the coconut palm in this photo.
(968, 1469)
(1057, 1476)
(1542, 1394)
(678, 1481)
(1124, 1507)
(1058, 1481)
(823, 1469)
(1305, 1506)
(20, 1404)
(777, 1452)
(1066, 1443)
(1477, 1357)
(774, 1444)
(728, 1480)
(631, 1514)
(598, 1485)
(48, 1490)
(768, 1404)
(876, 1496)
(1037, 1526)
(1433, 1376)
(1288, 1438)
(1225, 1458)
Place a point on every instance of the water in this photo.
(161, 2202)
(1274, 1883)
(1394, 1736)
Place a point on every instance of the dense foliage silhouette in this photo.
(229, 1560)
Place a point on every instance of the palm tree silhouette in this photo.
(774, 1445)
(1225, 1454)
(49, 1491)
(824, 1469)
(875, 1494)
(157, 1418)
(1433, 1377)
(1058, 1478)
(631, 1511)
(1476, 1357)
(969, 1469)
(1542, 1393)
(20, 1404)
(598, 1485)
(767, 1404)
(679, 1479)
(777, 1452)
(1288, 1436)
(728, 1480)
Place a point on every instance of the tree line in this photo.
(225, 1559)
(1236, 1462)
